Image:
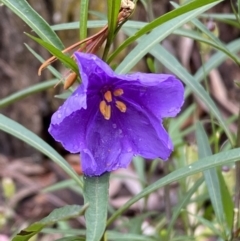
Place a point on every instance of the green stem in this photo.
(83, 19)
(237, 187)
(95, 193)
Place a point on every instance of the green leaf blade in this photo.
(59, 214)
(34, 20)
(13, 128)
(211, 176)
(219, 159)
(162, 19)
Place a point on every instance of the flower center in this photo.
(105, 104)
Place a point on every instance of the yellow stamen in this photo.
(105, 109)
(121, 106)
(108, 96)
(108, 112)
(118, 92)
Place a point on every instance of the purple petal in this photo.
(112, 143)
(145, 132)
(76, 101)
(70, 129)
(94, 69)
(160, 94)
(107, 147)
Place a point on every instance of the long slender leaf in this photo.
(217, 59)
(183, 203)
(34, 20)
(156, 36)
(113, 10)
(97, 24)
(66, 212)
(27, 92)
(157, 22)
(66, 60)
(219, 159)
(13, 128)
(211, 176)
(50, 68)
(198, 37)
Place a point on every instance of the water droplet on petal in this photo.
(173, 109)
(129, 149)
(59, 115)
(114, 125)
(75, 147)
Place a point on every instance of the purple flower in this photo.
(110, 118)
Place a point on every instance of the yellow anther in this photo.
(102, 107)
(118, 92)
(108, 96)
(105, 110)
(108, 112)
(121, 106)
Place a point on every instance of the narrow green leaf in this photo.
(83, 19)
(176, 123)
(164, 18)
(117, 236)
(66, 60)
(59, 185)
(71, 239)
(140, 167)
(198, 37)
(219, 159)
(211, 176)
(156, 36)
(208, 224)
(64, 95)
(13, 128)
(34, 20)
(182, 203)
(217, 41)
(96, 194)
(113, 10)
(50, 68)
(27, 92)
(97, 24)
(215, 60)
(228, 205)
(66, 212)
(219, 16)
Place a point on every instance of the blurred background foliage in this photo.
(25, 172)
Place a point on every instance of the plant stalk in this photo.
(235, 229)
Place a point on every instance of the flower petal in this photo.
(160, 94)
(94, 69)
(112, 143)
(145, 132)
(76, 101)
(107, 147)
(70, 129)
